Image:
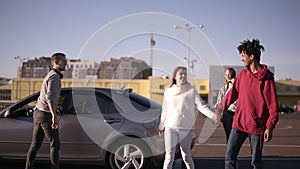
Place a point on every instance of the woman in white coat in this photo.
(179, 115)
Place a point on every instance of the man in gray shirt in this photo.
(45, 117)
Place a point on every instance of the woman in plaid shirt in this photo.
(227, 115)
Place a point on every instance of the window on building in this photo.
(5, 94)
(202, 87)
(287, 89)
(162, 87)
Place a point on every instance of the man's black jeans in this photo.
(227, 119)
(42, 128)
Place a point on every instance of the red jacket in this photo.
(257, 101)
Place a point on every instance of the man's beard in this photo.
(62, 69)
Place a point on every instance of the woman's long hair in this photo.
(173, 80)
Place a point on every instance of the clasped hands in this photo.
(216, 118)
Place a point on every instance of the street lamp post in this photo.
(193, 61)
(20, 75)
(188, 28)
(21, 61)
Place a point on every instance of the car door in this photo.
(90, 118)
(16, 126)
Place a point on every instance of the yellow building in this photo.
(157, 86)
(288, 91)
(151, 88)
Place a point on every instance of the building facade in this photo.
(124, 68)
(126, 72)
(35, 68)
(288, 91)
(82, 69)
(152, 88)
(77, 69)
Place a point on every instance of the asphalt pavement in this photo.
(200, 163)
(243, 163)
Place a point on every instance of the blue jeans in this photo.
(236, 140)
(42, 127)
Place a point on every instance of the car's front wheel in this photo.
(129, 153)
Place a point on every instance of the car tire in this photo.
(130, 153)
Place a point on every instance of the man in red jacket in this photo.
(256, 112)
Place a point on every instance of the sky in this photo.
(98, 30)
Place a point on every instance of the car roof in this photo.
(105, 90)
(96, 88)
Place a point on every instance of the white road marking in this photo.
(265, 145)
(285, 128)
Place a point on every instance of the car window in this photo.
(63, 101)
(23, 109)
(83, 103)
(91, 103)
(106, 104)
(62, 98)
(26, 107)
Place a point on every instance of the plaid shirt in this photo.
(222, 92)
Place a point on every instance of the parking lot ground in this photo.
(20, 164)
(243, 163)
(200, 163)
(282, 152)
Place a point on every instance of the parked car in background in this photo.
(114, 127)
(4, 104)
(284, 109)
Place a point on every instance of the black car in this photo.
(113, 127)
(284, 109)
